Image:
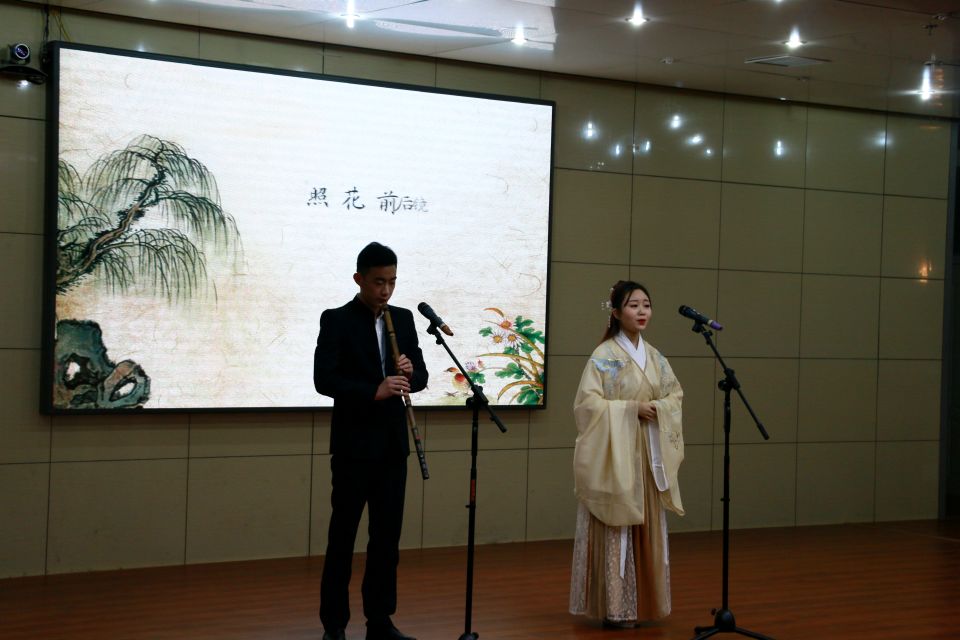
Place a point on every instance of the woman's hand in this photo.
(647, 411)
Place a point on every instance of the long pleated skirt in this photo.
(622, 574)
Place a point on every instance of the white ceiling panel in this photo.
(877, 48)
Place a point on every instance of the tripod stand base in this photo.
(724, 622)
(469, 636)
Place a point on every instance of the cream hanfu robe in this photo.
(625, 473)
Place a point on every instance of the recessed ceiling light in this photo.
(794, 40)
(518, 37)
(637, 18)
(351, 14)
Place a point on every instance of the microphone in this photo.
(434, 319)
(696, 316)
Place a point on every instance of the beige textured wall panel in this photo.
(385, 67)
(761, 228)
(830, 220)
(592, 118)
(764, 142)
(24, 433)
(551, 504)
(21, 181)
(676, 223)
(763, 485)
(845, 150)
(23, 528)
(677, 134)
(21, 266)
(119, 437)
(261, 52)
(248, 507)
(591, 217)
(116, 515)
(837, 400)
(907, 480)
(843, 495)
(918, 157)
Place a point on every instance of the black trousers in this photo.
(380, 485)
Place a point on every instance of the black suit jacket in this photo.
(346, 367)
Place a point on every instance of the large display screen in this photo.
(202, 216)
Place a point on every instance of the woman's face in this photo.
(634, 315)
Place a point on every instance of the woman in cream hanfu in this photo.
(628, 451)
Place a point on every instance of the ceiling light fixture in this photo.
(637, 18)
(795, 40)
(518, 38)
(351, 15)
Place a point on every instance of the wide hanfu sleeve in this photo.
(605, 460)
(669, 405)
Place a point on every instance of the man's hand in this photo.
(392, 386)
(404, 366)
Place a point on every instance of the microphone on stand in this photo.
(434, 319)
(696, 316)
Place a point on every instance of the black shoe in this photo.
(338, 634)
(387, 632)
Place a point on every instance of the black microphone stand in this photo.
(723, 621)
(474, 402)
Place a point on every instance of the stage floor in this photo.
(879, 581)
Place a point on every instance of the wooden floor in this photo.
(878, 581)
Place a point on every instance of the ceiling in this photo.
(868, 54)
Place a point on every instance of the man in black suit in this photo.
(368, 441)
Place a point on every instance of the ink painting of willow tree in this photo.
(144, 216)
